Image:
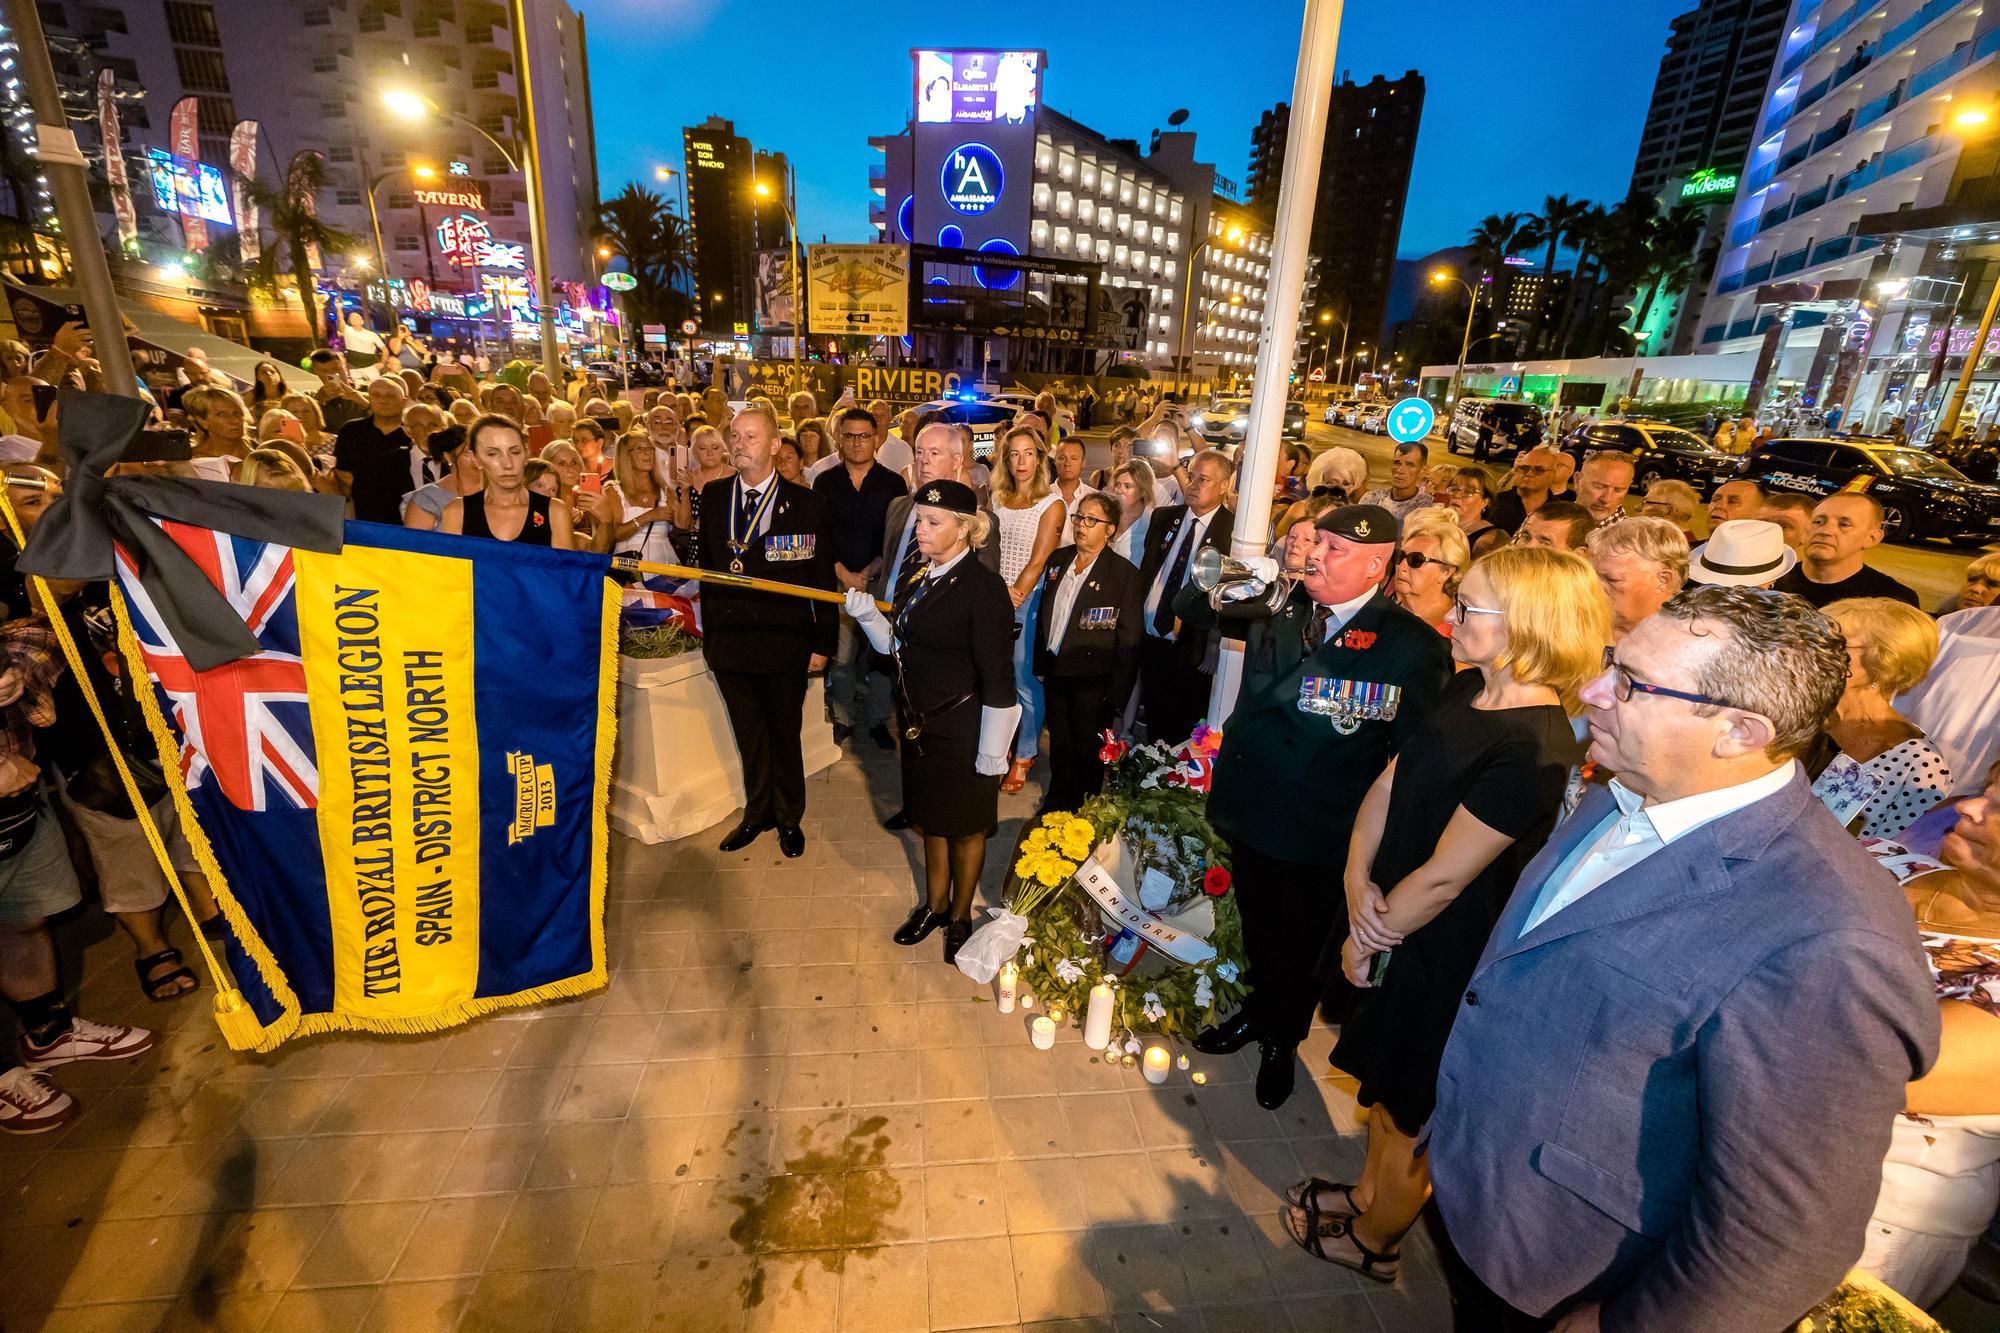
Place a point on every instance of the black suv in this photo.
(1922, 496)
(1660, 450)
(1500, 420)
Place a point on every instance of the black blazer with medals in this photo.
(1109, 646)
(1286, 782)
(1160, 538)
(893, 539)
(957, 650)
(765, 633)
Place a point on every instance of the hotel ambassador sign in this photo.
(859, 289)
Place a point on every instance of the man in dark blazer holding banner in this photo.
(1670, 1085)
(1333, 683)
(762, 646)
(1177, 661)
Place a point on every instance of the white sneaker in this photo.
(30, 1104)
(85, 1040)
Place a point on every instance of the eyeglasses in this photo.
(857, 436)
(1624, 684)
(1460, 609)
(1090, 520)
(1417, 560)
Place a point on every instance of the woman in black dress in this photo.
(1439, 841)
(505, 510)
(952, 641)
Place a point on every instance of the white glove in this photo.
(1263, 573)
(996, 733)
(869, 617)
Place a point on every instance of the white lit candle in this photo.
(1044, 1034)
(1156, 1064)
(1097, 1020)
(1008, 978)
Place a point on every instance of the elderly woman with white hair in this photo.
(1890, 647)
(1336, 477)
(950, 639)
(1429, 564)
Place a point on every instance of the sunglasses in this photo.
(1417, 560)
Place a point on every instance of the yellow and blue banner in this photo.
(400, 797)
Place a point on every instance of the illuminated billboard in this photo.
(977, 87)
(194, 188)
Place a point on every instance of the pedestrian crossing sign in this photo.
(1512, 384)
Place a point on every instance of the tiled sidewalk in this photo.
(774, 1118)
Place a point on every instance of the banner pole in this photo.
(623, 565)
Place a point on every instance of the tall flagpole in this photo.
(69, 179)
(1312, 92)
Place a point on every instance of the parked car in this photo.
(1025, 402)
(1339, 405)
(1514, 426)
(1661, 451)
(1922, 496)
(1226, 420)
(1372, 418)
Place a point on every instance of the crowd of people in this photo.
(1587, 829)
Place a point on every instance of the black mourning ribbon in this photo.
(74, 538)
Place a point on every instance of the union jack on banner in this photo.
(245, 723)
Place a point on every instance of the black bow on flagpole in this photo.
(73, 539)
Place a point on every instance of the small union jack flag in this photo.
(245, 724)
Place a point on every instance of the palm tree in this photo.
(658, 248)
(1497, 236)
(1554, 227)
(1670, 255)
(294, 215)
(1587, 235)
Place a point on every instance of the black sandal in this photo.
(1319, 1230)
(156, 987)
(1312, 1187)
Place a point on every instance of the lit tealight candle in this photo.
(1200, 1077)
(1027, 999)
(1097, 1019)
(1129, 1061)
(1181, 1063)
(1156, 1064)
(1009, 978)
(1044, 1034)
(1056, 1013)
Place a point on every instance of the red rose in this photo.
(1113, 749)
(1216, 882)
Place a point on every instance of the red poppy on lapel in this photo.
(1358, 639)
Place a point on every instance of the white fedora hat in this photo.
(1742, 553)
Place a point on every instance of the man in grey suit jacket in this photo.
(1670, 1086)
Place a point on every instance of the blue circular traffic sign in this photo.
(1410, 420)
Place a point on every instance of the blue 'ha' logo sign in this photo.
(971, 178)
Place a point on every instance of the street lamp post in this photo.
(664, 174)
(764, 191)
(1233, 234)
(1438, 278)
(415, 106)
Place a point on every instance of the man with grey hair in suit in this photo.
(1669, 1088)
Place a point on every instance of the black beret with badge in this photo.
(1371, 525)
(952, 496)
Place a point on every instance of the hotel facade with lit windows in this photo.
(1005, 174)
(1860, 228)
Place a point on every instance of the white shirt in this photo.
(1191, 531)
(827, 464)
(742, 495)
(363, 340)
(1953, 705)
(1639, 830)
(1342, 612)
(893, 453)
(1065, 601)
(939, 571)
(1083, 488)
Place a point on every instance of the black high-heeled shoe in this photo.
(955, 934)
(918, 927)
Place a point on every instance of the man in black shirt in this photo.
(1535, 474)
(857, 495)
(371, 456)
(339, 402)
(1843, 527)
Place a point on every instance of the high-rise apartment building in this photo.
(722, 208)
(1364, 181)
(1858, 129)
(1705, 101)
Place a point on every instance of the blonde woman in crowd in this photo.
(1429, 565)
(1439, 842)
(1981, 586)
(1032, 522)
(711, 463)
(306, 409)
(278, 424)
(1133, 482)
(1890, 647)
(273, 469)
(634, 514)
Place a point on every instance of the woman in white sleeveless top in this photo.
(633, 512)
(1031, 518)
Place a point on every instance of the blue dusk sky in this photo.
(1523, 98)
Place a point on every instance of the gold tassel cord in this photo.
(626, 565)
(233, 1015)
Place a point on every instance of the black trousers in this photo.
(1290, 911)
(765, 714)
(1076, 709)
(1174, 694)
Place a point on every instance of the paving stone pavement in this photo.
(773, 1118)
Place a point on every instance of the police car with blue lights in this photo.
(984, 417)
(1922, 496)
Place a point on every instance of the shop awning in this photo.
(40, 311)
